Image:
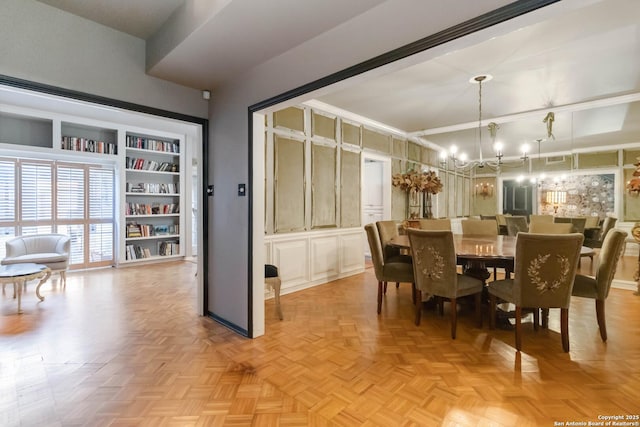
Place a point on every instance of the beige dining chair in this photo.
(480, 227)
(607, 225)
(516, 224)
(591, 222)
(387, 230)
(502, 224)
(540, 218)
(550, 228)
(597, 287)
(434, 269)
(390, 271)
(577, 222)
(545, 269)
(435, 224)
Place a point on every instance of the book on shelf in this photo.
(152, 144)
(75, 143)
(168, 247)
(134, 230)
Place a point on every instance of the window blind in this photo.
(36, 189)
(101, 193)
(70, 192)
(100, 242)
(7, 191)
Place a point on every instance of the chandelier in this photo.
(460, 160)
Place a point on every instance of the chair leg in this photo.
(564, 328)
(63, 279)
(492, 311)
(413, 293)
(479, 309)
(397, 285)
(602, 324)
(545, 318)
(440, 305)
(276, 290)
(385, 288)
(379, 296)
(454, 318)
(418, 305)
(518, 328)
(536, 318)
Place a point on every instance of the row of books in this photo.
(75, 143)
(148, 230)
(152, 144)
(153, 188)
(164, 248)
(167, 248)
(151, 209)
(150, 165)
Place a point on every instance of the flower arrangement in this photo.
(423, 182)
(633, 186)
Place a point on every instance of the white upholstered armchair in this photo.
(51, 250)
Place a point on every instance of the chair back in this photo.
(591, 222)
(434, 262)
(540, 218)
(501, 219)
(550, 228)
(489, 217)
(545, 268)
(435, 224)
(578, 224)
(607, 225)
(377, 258)
(612, 249)
(480, 227)
(387, 230)
(516, 224)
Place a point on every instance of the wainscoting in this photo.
(316, 257)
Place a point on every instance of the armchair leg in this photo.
(536, 318)
(418, 305)
(385, 288)
(518, 328)
(545, 318)
(413, 293)
(63, 279)
(564, 328)
(602, 323)
(379, 296)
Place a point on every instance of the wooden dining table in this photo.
(476, 253)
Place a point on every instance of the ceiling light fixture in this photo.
(459, 161)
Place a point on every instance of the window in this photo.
(39, 197)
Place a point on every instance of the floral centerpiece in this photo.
(426, 183)
(633, 186)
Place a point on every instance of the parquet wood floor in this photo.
(124, 347)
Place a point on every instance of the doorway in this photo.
(376, 191)
(518, 197)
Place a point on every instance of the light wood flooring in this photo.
(124, 347)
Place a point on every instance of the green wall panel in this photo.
(376, 141)
(290, 118)
(323, 186)
(350, 189)
(289, 185)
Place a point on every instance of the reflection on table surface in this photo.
(470, 246)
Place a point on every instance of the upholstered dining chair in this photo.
(597, 287)
(540, 218)
(480, 227)
(434, 269)
(550, 228)
(516, 224)
(390, 270)
(484, 227)
(502, 224)
(607, 225)
(545, 269)
(387, 230)
(435, 224)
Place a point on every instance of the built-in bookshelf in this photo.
(88, 139)
(152, 198)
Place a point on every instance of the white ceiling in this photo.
(583, 64)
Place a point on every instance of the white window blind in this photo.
(7, 191)
(100, 242)
(76, 233)
(6, 233)
(100, 193)
(70, 192)
(36, 191)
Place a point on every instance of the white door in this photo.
(373, 195)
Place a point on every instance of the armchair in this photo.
(51, 250)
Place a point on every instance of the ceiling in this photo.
(582, 64)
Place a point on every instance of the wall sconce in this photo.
(556, 198)
(484, 189)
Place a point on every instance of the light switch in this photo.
(242, 190)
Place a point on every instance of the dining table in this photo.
(476, 252)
